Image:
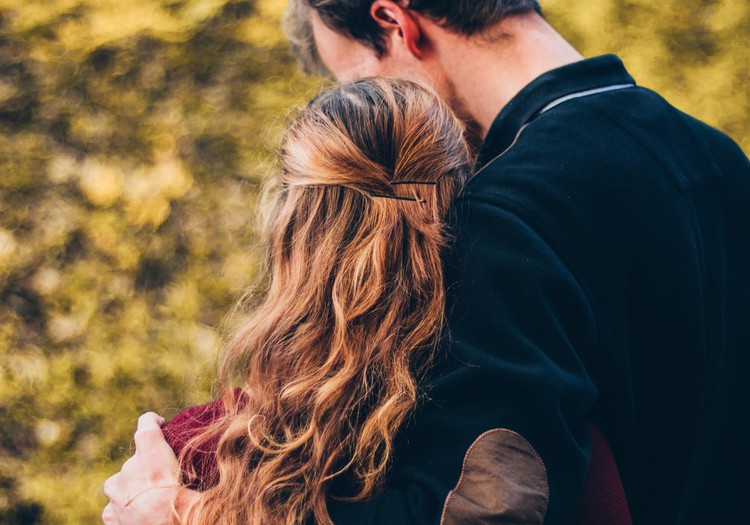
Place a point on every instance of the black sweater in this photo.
(601, 272)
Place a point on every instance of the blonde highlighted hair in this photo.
(331, 361)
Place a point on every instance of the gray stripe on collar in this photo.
(584, 94)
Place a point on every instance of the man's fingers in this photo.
(148, 434)
(154, 459)
(112, 489)
(150, 420)
(147, 480)
(109, 486)
(108, 515)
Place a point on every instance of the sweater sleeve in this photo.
(502, 436)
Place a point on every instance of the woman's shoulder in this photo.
(190, 424)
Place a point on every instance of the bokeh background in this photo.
(135, 137)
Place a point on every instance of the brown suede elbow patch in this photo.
(503, 482)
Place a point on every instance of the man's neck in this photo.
(485, 74)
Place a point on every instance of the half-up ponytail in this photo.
(331, 361)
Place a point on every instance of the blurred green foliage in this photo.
(134, 138)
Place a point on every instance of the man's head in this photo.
(354, 38)
(475, 54)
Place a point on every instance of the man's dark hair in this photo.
(352, 17)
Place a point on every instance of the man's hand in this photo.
(144, 491)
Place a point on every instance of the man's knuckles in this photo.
(111, 488)
(150, 421)
(148, 438)
(108, 515)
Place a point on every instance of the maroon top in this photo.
(182, 428)
(602, 499)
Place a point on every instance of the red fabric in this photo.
(187, 425)
(602, 500)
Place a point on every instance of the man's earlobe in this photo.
(394, 18)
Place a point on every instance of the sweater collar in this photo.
(585, 75)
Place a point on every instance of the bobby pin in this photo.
(425, 182)
(398, 198)
(430, 182)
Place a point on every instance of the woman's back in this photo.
(331, 362)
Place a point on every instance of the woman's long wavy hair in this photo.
(331, 361)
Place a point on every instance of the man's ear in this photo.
(393, 17)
